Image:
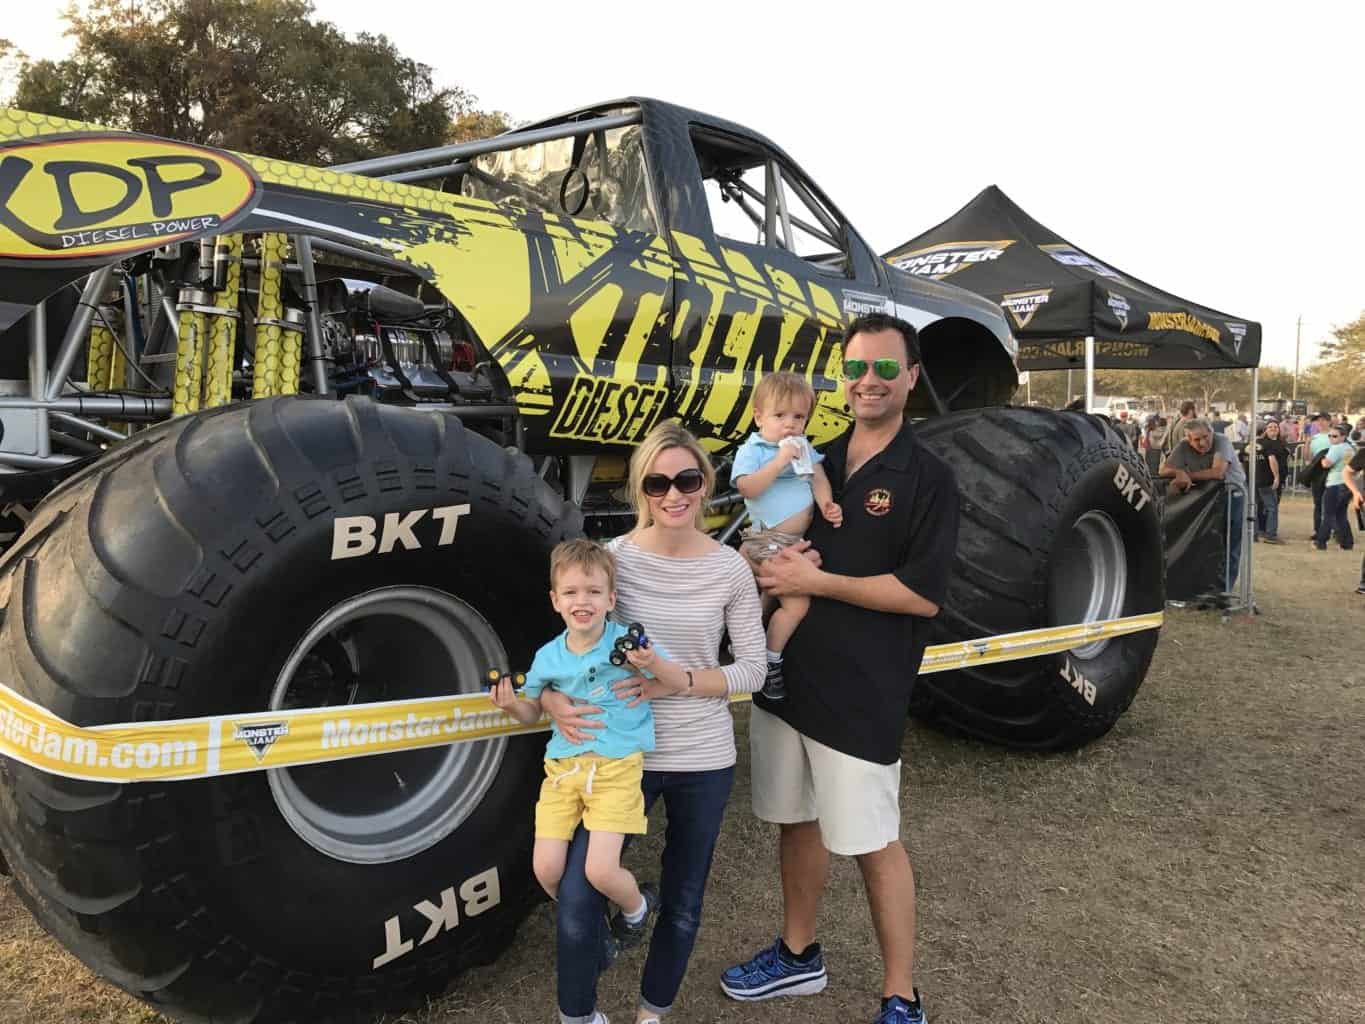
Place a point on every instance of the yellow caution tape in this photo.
(194, 748)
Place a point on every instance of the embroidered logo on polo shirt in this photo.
(878, 502)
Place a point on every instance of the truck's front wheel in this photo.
(282, 554)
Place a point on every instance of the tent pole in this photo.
(1249, 527)
(1090, 373)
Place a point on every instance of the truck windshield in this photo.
(596, 177)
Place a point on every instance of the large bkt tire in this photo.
(1060, 524)
(195, 572)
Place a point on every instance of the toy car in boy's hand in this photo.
(493, 677)
(634, 639)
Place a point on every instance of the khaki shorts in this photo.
(602, 792)
(796, 779)
(760, 545)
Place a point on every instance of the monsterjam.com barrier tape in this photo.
(194, 748)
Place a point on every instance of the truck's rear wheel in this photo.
(205, 573)
(1060, 524)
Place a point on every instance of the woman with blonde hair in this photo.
(687, 590)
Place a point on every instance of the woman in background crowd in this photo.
(1272, 458)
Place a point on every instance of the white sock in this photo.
(774, 655)
(639, 915)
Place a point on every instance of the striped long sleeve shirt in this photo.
(686, 604)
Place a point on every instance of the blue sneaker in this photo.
(774, 973)
(896, 1010)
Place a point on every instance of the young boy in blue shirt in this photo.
(597, 782)
(781, 479)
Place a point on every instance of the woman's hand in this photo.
(575, 722)
(635, 689)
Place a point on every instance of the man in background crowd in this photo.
(1176, 433)
(1272, 458)
(1128, 428)
(1317, 444)
(1289, 431)
(1354, 478)
(1204, 455)
(1335, 497)
(1241, 430)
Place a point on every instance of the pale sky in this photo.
(1212, 149)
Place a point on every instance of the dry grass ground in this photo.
(1205, 862)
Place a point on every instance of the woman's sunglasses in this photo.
(886, 369)
(689, 481)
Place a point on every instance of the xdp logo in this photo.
(95, 195)
(939, 261)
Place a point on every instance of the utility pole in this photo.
(1298, 333)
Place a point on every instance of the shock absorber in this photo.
(270, 316)
(189, 350)
(222, 322)
(291, 351)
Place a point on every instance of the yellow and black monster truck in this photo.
(281, 437)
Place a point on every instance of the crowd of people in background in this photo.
(1323, 452)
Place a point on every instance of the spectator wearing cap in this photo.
(1335, 496)
(1204, 455)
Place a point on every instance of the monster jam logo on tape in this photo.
(603, 409)
(1023, 305)
(1070, 256)
(260, 737)
(940, 261)
(1121, 309)
(93, 195)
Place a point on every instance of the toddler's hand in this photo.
(833, 513)
(641, 657)
(787, 452)
(502, 694)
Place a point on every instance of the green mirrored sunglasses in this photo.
(886, 369)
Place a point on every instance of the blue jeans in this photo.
(1237, 507)
(694, 803)
(1269, 504)
(1336, 501)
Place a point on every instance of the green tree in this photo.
(1339, 377)
(261, 76)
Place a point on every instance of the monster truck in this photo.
(281, 437)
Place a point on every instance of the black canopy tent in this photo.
(1071, 309)
(1058, 295)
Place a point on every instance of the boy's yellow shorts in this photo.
(602, 792)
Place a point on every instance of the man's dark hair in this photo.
(871, 323)
(1187, 408)
(1322, 416)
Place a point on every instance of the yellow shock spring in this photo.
(189, 353)
(269, 313)
(291, 354)
(222, 327)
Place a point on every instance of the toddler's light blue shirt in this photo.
(789, 493)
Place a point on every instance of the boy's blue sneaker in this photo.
(896, 1010)
(775, 972)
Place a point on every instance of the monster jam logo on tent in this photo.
(1070, 256)
(947, 258)
(262, 737)
(93, 195)
(1239, 335)
(1186, 322)
(1022, 305)
(1121, 309)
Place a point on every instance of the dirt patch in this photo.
(1201, 863)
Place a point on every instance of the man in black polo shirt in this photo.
(826, 761)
